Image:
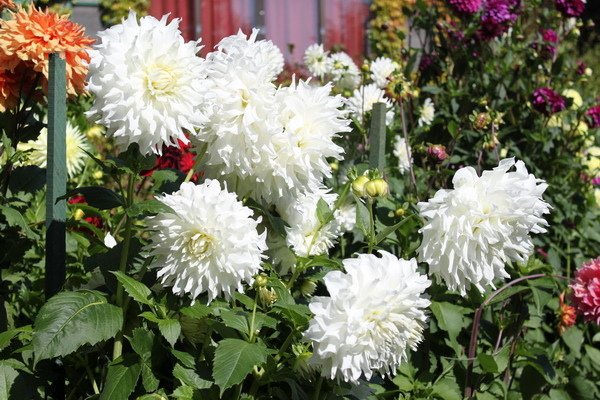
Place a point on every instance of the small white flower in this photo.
(346, 218)
(344, 72)
(381, 69)
(471, 231)
(305, 235)
(315, 59)
(401, 151)
(375, 314)
(364, 97)
(76, 143)
(427, 113)
(148, 84)
(109, 241)
(209, 243)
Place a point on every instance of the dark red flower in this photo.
(594, 115)
(497, 17)
(547, 101)
(179, 158)
(92, 220)
(466, 6)
(570, 8)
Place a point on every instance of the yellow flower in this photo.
(592, 160)
(575, 96)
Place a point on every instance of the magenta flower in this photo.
(466, 6)
(437, 152)
(547, 101)
(586, 291)
(570, 8)
(498, 16)
(594, 115)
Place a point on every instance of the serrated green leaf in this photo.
(237, 321)
(197, 311)
(363, 218)
(593, 354)
(450, 317)
(148, 207)
(149, 381)
(573, 338)
(447, 389)
(15, 218)
(170, 329)
(7, 379)
(71, 319)
(190, 378)
(234, 360)
(141, 342)
(136, 289)
(122, 377)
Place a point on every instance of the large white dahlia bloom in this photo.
(381, 69)
(471, 231)
(209, 243)
(374, 315)
(148, 84)
(364, 97)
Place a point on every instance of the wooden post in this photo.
(377, 137)
(56, 176)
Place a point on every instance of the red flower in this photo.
(567, 315)
(95, 220)
(179, 158)
(586, 291)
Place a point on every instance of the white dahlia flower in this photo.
(427, 113)
(305, 235)
(148, 84)
(76, 143)
(471, 231)
(401, 151)
(374, 315)
(364, 97)
(346, 218)
(209, 243)
(381, 69)
(263, 52)
(344, 72)
(316, 60)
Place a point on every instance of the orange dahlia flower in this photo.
(567, 315)
(6, 4)
(31, 35)
(9, 89)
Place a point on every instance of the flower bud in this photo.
(365, 68)
(78, 214)
(267, 296)
(437, 152)
(260, 281)
(95, 131)
(308, 287)
(358, 185)
(377, 188)
(334, 165)
(587, 71)
(400, 212)
(98, 175)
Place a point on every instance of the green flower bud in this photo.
(358, 185)
(377, 188)
(260, 280)
(308, 287)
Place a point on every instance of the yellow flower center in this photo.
(160, 80)
(200, 244)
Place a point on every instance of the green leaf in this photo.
(7, 336)
(15, 218)
(324, 213)
(190, 378)
(556, 394)
(136, 289)
(593, 354)
(450, 317)
(97, 196)
(508, 292)
(197, 311)
(234, 359)
(7, 378)
(148, 207)
(170, 329)
(141, 342)
(122, 377)
(363, 219)
(71, 319)
(447, 389)
(487, 363)
(149, 381)
(239, 322)
(573, 338)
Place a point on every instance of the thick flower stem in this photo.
(118, 345)
(317, 392)
(371, 238)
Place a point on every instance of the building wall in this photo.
(291, 24)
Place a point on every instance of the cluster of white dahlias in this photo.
(374, 315)
(339, 68)
(474, 229)
(267, 142)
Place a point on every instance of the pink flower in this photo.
(547, 101)
(570, 8)
(594, 114)
(586, 291)
(466, 6)
(437, 152)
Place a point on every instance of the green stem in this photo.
(317, 392)
(253, 319)
(197, 162)
(371, 237)
(118, 345)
